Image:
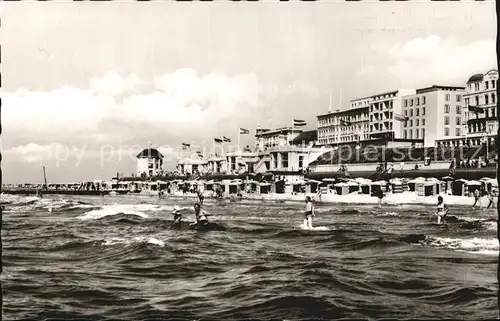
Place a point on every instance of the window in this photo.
(476, 86)
(417, 122)
(423, 121)
(486, 85)
(459, 110)
(411, 102)
(446, 120)
(458, 121)
(486, 99)
(423, 100)
(447, 97)
(411, 123)
(416, 133)
(477, 100)
(492, 84)
(492, 98)
(405, 134)
(406, 103)
(459, 98)
(406, 112)
(423, 132)
(411, 112)
(284, 160)
(423, 111)
(417, 112)
(446, 131)
(417, 101)
(410, 132)
(457, 132)
(446, 109)
(301, 161)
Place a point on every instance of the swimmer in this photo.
(201, 216)
(442, 211)
(309, 213)
(200, 196)
(177, 212)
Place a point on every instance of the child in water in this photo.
(309, 213)
(442, 211)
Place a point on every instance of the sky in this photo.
(86, 86)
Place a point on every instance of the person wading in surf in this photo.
(201, 216)
(200, 196)
(441, 211)
(309, 213)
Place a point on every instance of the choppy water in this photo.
(119, 258)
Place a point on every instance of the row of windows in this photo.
(409, 123)
(419, 133)
(458, 132)
(487, 85)
(486, 99)
(417, 112)
(447, 109)
(458, 120)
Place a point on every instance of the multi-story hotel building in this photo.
(345, 126)
(386, 112)
(369, 118)
(482, 121)
(479, 124)
(266, 138)
(434, 113)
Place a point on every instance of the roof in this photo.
(149, 153)
(475, 78)
(306, 137)
(437, 87)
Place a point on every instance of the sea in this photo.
(119, 257)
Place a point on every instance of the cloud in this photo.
(432, 60)
(113, 84)
(183, 103)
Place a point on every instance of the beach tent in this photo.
(364, 184)
(472, 186)
(353, 186)
(459, 187)
(413, 183)
(341, 188)
(397, 185)
(264, 188)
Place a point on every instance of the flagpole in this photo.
(239, 131)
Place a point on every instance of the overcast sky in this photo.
(86, 85)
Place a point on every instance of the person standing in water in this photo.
(441, 211)
(201, 216)
(490, 198)
(200, 196)
(477, 198)
(309, 213)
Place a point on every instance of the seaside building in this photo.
(375, 119)
(149, 162)
(434, 114)
(287, 152)
(193, 164)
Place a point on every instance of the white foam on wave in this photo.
(388, 214)
(138, 239)
(315, 228)
(474, 245)
(110, 210)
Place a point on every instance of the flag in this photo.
(476, 109)
(399, 117)
(226, 140)
(244, 131)
(217, 140)
(185, 145)
(299, 123)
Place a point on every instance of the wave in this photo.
(129, 241)
(474, 245)
(109, 210)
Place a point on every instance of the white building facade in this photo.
(434, 113)
(149, 162)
